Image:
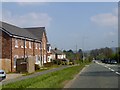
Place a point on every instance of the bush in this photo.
(57, 61)
(48, 64)
(37, 67)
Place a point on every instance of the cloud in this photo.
(106, 19)
(31, 19)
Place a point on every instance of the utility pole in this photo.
(76, 51)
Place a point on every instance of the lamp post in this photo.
(83, 48)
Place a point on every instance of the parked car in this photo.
(113, 62)
(2, 75)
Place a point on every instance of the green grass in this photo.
(51, 80)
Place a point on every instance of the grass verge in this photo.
(51, 80)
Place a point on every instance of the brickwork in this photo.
(29, 48)
(6, 46)
(0, 49)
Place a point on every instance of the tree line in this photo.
(99, 54)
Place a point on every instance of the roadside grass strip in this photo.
(51, 80)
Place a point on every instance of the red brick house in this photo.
(19, 42)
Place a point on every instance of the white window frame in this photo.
(16, 42)
(36, 56)
(22, 43)
(15, 60)
(30, 46)
(25, 44)
(40, 45)
(44, 46)
(35, 45)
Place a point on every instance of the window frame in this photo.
(16, 43)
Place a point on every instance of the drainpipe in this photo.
(24, 49)
(11, 52)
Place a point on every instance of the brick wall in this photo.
(6, 46)
(17, 52)
(0, 44)
(28, 49)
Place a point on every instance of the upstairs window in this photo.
(16, 43)
(36, 46)
(40, 46)
(25, 44)
(30, 45)
(44, 46)
(22, 43)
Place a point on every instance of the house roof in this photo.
(14, 30)
(32, 33)
(53, 51)
(37, 31)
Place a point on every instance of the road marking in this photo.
(106, 66)
(117, 73)
(112, 70)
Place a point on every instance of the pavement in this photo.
(96, 75)
(12, 76)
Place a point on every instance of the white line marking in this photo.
(117, 73)
(106, 66)
(112, 70)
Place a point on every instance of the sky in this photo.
(85, 25)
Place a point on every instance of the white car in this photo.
(2, 75)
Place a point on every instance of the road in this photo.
(96, 75)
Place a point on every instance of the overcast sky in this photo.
(88, 25)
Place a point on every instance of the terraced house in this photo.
(19, 42)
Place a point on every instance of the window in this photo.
(44, 58)
(36, 59)
(40, 46)
(29, 56)
(16, 43)
(15, 59)
(30, 45)
(25, 44)
(44, 46)
(22, 43)
(36, 46)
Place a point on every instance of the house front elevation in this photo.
(16, 42)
